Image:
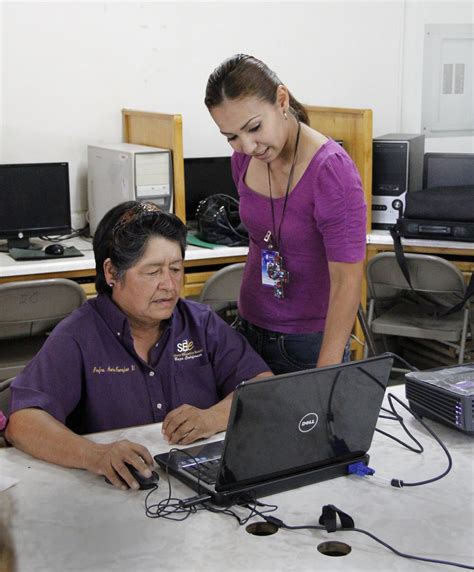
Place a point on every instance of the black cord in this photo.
(251, 505)
(403, 360)
(399, 482)
(396, 417)
(75, 233)
(170, 508)
(281, 524)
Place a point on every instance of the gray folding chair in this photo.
(222, 289)
(29, 310)
(438, 281)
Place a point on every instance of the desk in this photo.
(68, 519)
(200, 263)
(460, 253)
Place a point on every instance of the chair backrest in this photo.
(223, 287)
(429, 274)
(31, 308)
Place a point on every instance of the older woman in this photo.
(136, 354)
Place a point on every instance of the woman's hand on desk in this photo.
(187, 423)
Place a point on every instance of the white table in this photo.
(67, 519)
(383, 237)
(200, 264)
(19, 268)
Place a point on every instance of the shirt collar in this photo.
(116, 320)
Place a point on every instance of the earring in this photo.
(111, 284)
(285, 115)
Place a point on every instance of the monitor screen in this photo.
(448, 170)
(205, 176)
(34, 201)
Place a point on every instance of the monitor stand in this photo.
(19, 243)
(23, 243)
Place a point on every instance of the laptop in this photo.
(287, 431)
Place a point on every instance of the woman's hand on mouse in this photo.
(109, 460)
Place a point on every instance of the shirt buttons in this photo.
(151, 373)
(159, 405)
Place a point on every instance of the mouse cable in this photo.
(327, 522)
(175, 508)
(169, 508)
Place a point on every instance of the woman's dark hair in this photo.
(245, 76)
(123, 233)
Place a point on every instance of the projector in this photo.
(444, 394)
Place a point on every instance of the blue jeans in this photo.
(284, 353)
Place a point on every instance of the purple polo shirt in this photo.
(325, 220)
(88, 375)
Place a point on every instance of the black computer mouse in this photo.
(144, 483)
(56, 249)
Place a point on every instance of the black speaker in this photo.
(397, 169)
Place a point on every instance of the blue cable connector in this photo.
(360, 469)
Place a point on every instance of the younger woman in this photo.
(301, 200)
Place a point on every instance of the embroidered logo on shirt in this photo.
(186, 350)
(113, 369)
(185, 346)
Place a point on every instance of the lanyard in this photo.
(276, 235)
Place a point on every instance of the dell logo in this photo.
(308, 422)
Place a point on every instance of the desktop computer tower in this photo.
(397, 169)
(125, 172)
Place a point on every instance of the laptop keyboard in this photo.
(205, 471)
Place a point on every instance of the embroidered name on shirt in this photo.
(185, 351)
(113, 369)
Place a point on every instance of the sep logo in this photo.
(185, 346)
(308, 422)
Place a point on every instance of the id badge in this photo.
(268, 257)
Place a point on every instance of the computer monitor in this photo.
(448, 170)
(34, 201)
(205, 176)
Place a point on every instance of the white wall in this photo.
(69, 68)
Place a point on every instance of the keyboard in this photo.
(205, 471)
